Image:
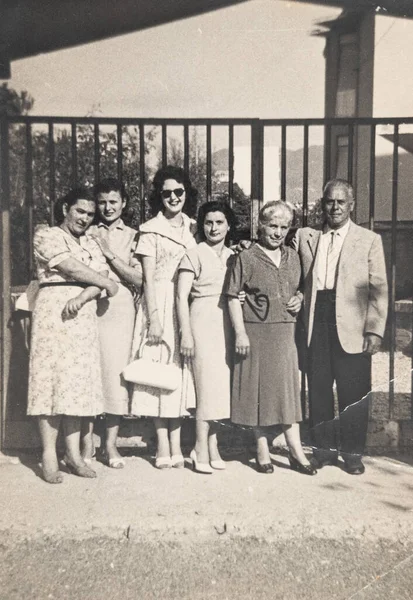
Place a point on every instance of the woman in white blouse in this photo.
(116, 316)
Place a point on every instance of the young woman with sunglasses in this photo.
(163, 241)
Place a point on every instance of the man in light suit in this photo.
(345, 311)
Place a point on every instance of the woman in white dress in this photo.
(65, 374)
(163, 241)
(206, 332)
(116, 316)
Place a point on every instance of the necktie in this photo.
(331, 263)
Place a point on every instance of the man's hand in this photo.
(372, 343)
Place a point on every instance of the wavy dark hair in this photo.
(216, 206)
(110, 184)
(76, 193)
(172, 172)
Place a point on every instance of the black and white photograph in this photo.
(206, 250)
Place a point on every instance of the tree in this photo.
(13, 103)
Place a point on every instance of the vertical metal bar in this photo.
(257, 165)
(186, 149)
(209, 163)
(5, 268)
(164, 146)
(74, 153)
(96, 153)
(120, 152)
(304, 224)
(305, 177)
(395, 183)
(29, 196)
(372, 175)
(327, 153)
(350, 158)
(52, 179)
(142, 171)
(283, 161)
(231, 165)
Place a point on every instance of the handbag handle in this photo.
(145, 343)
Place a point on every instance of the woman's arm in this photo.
(185, 280)
(79, 272)
(155, 330)
(242, 343)
(125, 271)
(73, 305)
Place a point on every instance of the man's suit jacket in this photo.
(361, 288)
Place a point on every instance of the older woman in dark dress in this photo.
(266, 377)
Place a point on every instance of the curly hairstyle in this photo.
(75, 194)
(172, 172)
(216, 206)
(110, 184)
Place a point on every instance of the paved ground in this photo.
(144, 533)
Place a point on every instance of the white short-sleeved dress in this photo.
(167, 245)
(116, 318)
(65, 373)
(211, 329)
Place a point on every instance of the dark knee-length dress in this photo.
(266, 389)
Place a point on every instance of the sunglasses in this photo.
(168, 193)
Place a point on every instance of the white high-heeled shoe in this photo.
(218, 465)
(200, 467)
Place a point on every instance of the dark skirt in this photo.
(266, 387)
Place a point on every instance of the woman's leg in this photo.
(49, 429)
(263, 453)
(214, 454)
(87, 445)
(73, 458)
(292, 436)
(162, 438)
(175, 436)
(202, 442)
(112, 430)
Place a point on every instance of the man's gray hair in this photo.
(339, 183)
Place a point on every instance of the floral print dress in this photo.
(65, 372)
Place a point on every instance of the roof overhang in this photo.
(30, 27)
(392, 8)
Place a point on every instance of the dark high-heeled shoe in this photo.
(295, 465)
(264, 468)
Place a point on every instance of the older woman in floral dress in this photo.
(65, 375)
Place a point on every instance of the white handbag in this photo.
(156, 374)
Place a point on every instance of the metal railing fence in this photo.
(246, 161)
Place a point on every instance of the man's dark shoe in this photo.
(354, 465)
(324, 458)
